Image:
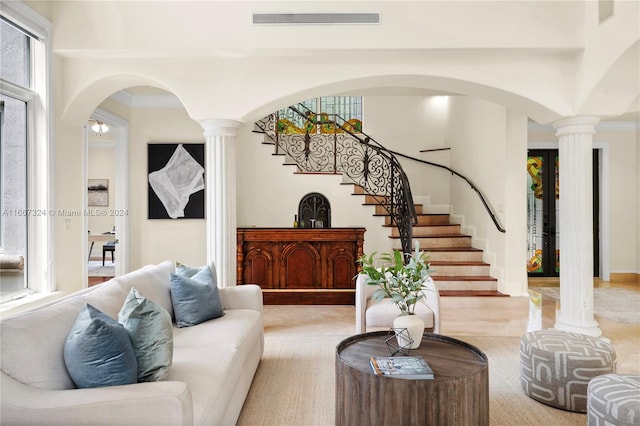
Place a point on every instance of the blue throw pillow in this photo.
(98, 351)
(195, 299)
(186, 270)
(151, 333)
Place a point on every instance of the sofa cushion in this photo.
(212, 355)
(151, 333)
(98, 351)
(195, 299)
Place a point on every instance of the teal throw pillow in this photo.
(186, 270)
(98, 351)
(150, 329)
(195, 299)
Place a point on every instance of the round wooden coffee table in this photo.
(458, 394)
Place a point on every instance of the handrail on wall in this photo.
(467, 180)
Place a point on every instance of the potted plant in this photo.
(404, 282)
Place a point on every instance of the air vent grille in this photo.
(315, 18)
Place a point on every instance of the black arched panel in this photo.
(314, 211)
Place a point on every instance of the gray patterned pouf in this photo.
(614, 399)
(556, 366)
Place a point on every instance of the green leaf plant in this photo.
(403, 281)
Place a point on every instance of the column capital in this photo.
(576, 125)
(220, 126)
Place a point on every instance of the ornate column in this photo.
(220, 187)
(575, 143)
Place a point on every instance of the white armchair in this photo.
(370, 313)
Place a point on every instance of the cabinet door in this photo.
(341, 266)
(259, 265)
(301, 266)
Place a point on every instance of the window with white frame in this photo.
(25, 214)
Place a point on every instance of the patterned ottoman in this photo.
(614, 399)
(556, 366)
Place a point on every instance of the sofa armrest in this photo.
(432, 301)
(364, 292)
(155, 403)
(246, 296)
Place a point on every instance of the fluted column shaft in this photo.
(575, 143)
(220, 188)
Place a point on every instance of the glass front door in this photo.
(543, 194)
(543, 213)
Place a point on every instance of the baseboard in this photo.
(625, 277)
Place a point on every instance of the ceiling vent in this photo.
(315, 18)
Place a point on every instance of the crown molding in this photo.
(610, 126)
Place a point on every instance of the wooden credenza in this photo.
(301, 266)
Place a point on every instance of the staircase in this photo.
(457, 268)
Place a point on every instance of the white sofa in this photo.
(213, 362)
(380, 314)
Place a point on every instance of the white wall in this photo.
(513, 213)
(408, 124)
(153, 241)
(477, 132)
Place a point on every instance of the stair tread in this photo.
(439, 236)
(381, 204)
(445, 236)
(457, 262)
(417, 214)
(458, 249)
(473, 293)
(462, 278)
(317, 173)
(426, 226)
(434, 224)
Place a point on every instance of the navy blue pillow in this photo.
(195, 299)
(98, 351)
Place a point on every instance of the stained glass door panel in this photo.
(543, 192)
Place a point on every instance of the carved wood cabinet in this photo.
(300, 266)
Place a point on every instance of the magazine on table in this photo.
(402, 367)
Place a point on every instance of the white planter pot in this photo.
(415, 328)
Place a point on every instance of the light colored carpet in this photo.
(96, 269)
(295, 384)
(616, 304)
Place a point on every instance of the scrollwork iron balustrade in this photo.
(359, 157)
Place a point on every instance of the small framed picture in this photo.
(98, 192)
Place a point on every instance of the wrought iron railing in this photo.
(329, 144)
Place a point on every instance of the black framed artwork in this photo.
(175, 180)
